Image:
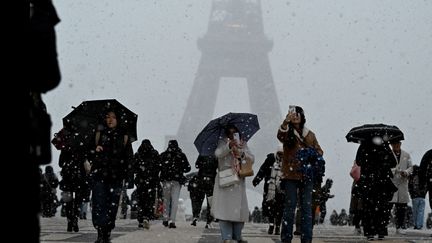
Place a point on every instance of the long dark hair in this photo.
(227, 129)
(292, 140)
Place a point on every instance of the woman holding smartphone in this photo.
(294, 136)
(230, 204)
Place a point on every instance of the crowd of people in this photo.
(101, 172)
(293, 177)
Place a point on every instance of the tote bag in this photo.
(355, 172)
(228, 177)
(246, 168)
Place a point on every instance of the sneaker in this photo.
(370, 237)
(146, 224)
(172, 225)
(194, 222)
(209, 226)
(380, 237)
(165, 223)
(400, 232)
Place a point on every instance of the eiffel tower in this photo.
(234, 46)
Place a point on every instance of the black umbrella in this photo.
(86, 118)
(207, 140)
(366, 132)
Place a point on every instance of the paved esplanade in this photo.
(54, 231)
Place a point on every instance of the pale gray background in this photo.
(345, 62)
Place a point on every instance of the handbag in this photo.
(246, 168)
(228, 177)
(355, 172)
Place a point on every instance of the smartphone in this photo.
(236, 136)
(292, 109)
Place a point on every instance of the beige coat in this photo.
(404, 164)
(229, 203)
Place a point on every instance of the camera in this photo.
(236, 136)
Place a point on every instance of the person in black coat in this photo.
(147, 169)
(49, 192)
(376, 160)
(108, 172)
(272, 204)
(201, 186)
(417, 191)
(425, 173)
(74, 183)
(174, 165)
(324, 196)
(44, 75)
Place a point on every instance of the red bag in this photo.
(355, 172)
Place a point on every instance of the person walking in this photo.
(401, 174)
(417, 192)
(201, 186)
(230, 205)
(147, 179)
(174, 165)
(74, 183)
(376, 160)
(324, 197)
(295, 136)
(426, 173)
(49, 199)
(109, 170)
(273, 197)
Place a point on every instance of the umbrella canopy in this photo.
(366, 132)
(86, 118)
(207, 140)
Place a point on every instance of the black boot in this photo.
(277, 230)
(270, 229)
(75, 225)
(106, 235)
(99, 238)
(69, 226)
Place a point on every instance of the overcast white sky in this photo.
(345, 62)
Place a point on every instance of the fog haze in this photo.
(345, 62)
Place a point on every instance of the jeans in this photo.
(231, 230)
(418, 206)
(290, 203)
(171, 194)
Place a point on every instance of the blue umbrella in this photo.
(207, 140)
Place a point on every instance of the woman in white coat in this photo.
(230, 204)
(400, 179)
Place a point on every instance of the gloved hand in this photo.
(255, 182)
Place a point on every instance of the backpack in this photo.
(312, 164)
